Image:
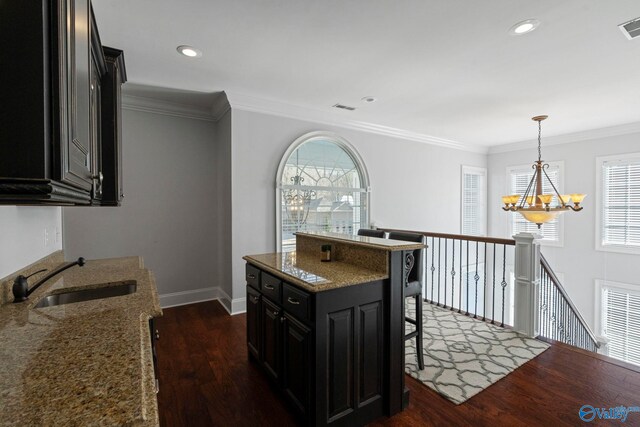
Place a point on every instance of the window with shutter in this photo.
(618, 203)
(473, 201)
(620, 320)
(519, 178)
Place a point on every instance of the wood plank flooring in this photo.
(207, 380)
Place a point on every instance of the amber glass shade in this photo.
(530, 200)
(546, 198)
(577, 197)
(539, 217)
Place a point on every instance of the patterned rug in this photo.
(463, 356)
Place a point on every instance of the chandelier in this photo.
(298, 201)
(535, 206)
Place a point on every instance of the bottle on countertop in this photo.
(326, 253)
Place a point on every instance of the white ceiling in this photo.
(444, 68)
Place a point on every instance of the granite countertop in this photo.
(87, 363)
(370, 242)
(308, 272)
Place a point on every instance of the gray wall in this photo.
(413, 185)
(22, 235)
(169, 212)
(223, 236)
(578, 260)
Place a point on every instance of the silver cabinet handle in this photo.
(293, 301)
(282, 319)
(269, 287)
(100, 178)
(251, 276)
(254, 298)
(276, 313)
(157, 334)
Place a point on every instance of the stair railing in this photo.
(560, 320)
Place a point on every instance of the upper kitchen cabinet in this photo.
(55, 80)
(111, 116)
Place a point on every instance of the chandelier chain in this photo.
(539, 141)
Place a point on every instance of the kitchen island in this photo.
(330, 335)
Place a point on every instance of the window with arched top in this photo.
(321, 185)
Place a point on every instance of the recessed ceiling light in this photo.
(369, 99)
(524, 27)
(189, 51)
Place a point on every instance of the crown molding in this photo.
(276, 108)
(606, 132)
(167, 108)
(220, 107)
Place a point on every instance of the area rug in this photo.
(462, 355)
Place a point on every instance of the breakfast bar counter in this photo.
(330, 335)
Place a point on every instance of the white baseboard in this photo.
(239, 305)
(175, 299)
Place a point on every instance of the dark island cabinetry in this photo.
(52, 138)
(323, 350)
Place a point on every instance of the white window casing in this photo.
(473, 201)
(618, 319)
(618, 203)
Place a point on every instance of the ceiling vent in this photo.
(344, 107)
(631, 29)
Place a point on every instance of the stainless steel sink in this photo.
(106, 290)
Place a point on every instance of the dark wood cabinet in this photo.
(111, 117)
(296, 362)
(253, 322)
(325, 351)
(51, 133)
(271, 351)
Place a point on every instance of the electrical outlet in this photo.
(46, 237)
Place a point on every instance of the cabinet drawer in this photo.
(253, 276)
(270, 287)
(296, 302)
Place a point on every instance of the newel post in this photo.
(527, 284)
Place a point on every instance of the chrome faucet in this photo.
(21, 290)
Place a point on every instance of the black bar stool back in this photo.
(413, 289)
(367, 232)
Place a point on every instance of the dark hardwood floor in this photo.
(206, 379)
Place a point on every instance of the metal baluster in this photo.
(504, 281)
(484, 286)
(460, 293)
(439, 253)
(433, 268)
(493, 297)
(453, 272)
(466, 275)
(444, 304)
(476, 278)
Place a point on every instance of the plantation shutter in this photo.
(621, 203)
(473, 201)
(621, 323)
(519, 182)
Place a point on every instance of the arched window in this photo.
(321, 185)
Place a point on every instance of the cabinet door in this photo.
(76, 144)
(271, 338)
(253, 322)
(296, 364)
(95, 127)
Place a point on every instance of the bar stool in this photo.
(367, 232)
(413, 288)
